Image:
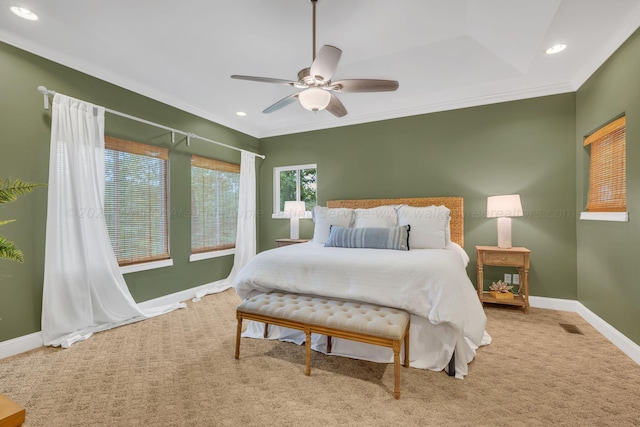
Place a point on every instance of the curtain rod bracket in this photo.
(191, 135)
(45, 92)
(173, 137)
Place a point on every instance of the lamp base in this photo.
(294, 231)
(504, 232)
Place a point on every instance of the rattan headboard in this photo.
(455, 204)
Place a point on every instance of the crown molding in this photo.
(426, 109)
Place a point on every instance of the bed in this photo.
(428, 280)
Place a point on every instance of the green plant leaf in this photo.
(9, 251)
(11, 189)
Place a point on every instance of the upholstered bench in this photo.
(355, 321)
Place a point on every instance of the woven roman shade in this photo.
(136, 200)
(215, 186)
(608, 171)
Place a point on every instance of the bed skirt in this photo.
(431, 346)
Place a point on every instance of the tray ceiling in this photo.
(445, 54)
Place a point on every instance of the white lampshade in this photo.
(503, 208)
(314, 99)
(294, 209)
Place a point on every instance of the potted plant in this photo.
(9, 191)
(501, 290)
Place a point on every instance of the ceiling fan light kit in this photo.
(316, 82)
(314, 99)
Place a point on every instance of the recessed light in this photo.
(24, 13)
(241, 113)
(556, 48)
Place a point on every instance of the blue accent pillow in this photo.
(370, 237)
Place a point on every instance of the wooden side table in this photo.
(513, 257)
(286, 242)
(11, 414)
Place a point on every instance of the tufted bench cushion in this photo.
(344, 315)
(357, 321)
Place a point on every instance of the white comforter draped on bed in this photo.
(431, 284)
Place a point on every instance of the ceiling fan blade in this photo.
(282, 103)
(336, 107)
(325, 63)
(263, 79)
(364, 85)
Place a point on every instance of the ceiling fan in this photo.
(318, 93)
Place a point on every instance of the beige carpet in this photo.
(178, 370)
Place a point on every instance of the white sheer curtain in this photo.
(84, 291)
(246, 229)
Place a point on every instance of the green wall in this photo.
(608, 251)
(24, 153)
(531, 147)
(524, 147)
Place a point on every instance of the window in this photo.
(135, 201)
(298, 183)
(215, 186)
(607, 173)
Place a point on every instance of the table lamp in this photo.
(294, 211)
(503, 208)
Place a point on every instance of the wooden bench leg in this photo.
(307, 332)
(238, 333)
(396, 369)
(406, 347)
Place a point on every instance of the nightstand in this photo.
(512, 257)
(286, 242)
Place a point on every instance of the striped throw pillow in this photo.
(370, 237)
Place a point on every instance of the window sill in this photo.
(605, 216)
(212, 254)
(146, 266)
(282, 215)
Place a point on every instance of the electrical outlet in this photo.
(507, 278)
(516, 279)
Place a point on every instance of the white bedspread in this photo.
(431, 284)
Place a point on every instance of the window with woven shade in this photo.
(215, 186)
(607, 169)
(135, 203)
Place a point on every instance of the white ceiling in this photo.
(446, 54)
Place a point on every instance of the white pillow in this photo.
(324, 218)
(429, 226)
(382, 216)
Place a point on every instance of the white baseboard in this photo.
(631, 349)
(627, 346)
(554, 303)
(29, 342)
(175, 297)
(20, 344)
